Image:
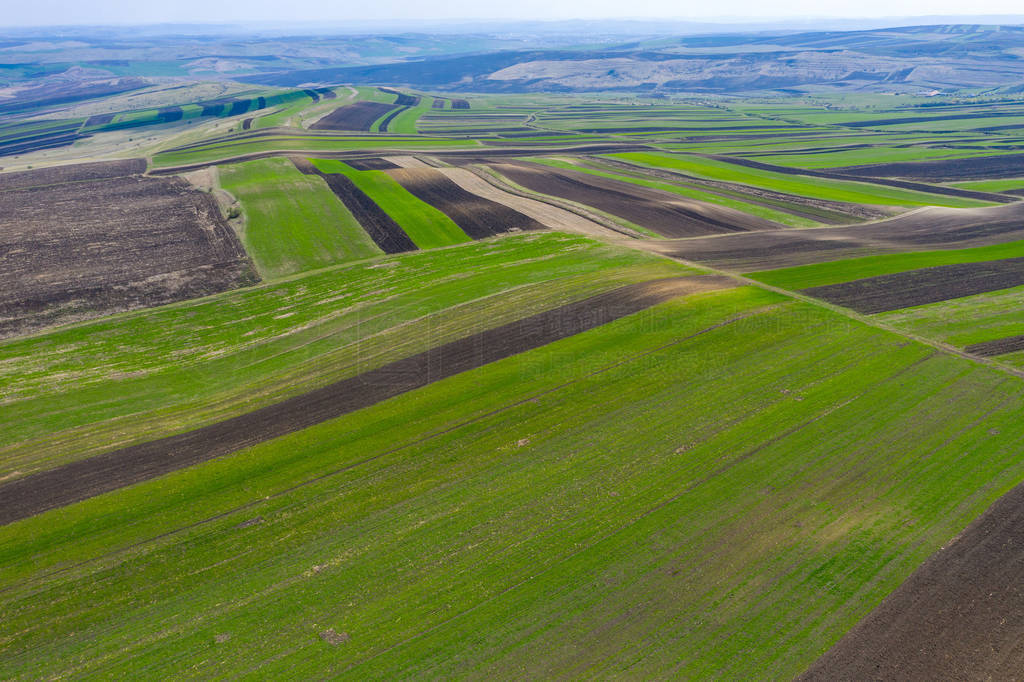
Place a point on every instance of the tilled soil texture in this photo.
(372, 164)
(947, 170)
(76, 173)
(83, 249)
(667, 214)
(921, 230)
(1009, 344)
(879, 177)
(460, 104)
(960, 616)
(919, 287)
(381, 227)
(80, 480)
(438, 104)
(478, 217)
(358, 116)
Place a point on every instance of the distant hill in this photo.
(911, 59)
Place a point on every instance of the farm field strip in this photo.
(185, 366)
(667, 214)
(677, 185)
(426, 226)
(476, 216)
(387, 234)
(470, 527)
(293, 222)
(819, 188)
(77, 481)
(919, 287)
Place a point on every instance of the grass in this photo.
(405, 122)
(293, 222)
(818, 188)
(75, 391)
(991, 185)
(835, 272)
(427, 227)
(719, 487)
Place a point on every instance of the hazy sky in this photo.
(51, 12)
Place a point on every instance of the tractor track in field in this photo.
(76, 481)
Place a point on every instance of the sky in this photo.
(133, 12)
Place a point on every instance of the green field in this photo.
(835, 272)
(73, 392)
(819, 188)
(293, 222)
(426, 226)
(721, 495)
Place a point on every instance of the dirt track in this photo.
(80, 480)
(960, 616)
(478, 217)
(667, 214)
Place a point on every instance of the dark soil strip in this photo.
(371, 164)
(381, 227)
(78, 172)
(478, 217)
(81, 480)
(871, 174)
(99, 120)
(667, 214)
(878, 122)
(960, 616)
(247, 123)
(169, 114)
(919, 287)
(460, 104)
(213, 109)
(358, 116)
(1010, 344)
(438, 104)
(974, 168)
(383, 127)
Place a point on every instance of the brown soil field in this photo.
(101, 119)
(919, 287)
(546, 214)
(88, 248)
(438, 103)
(358, 116)
(960, 616)
(964, 170)
(667, 214)
(1009, 344)
(923, 119)
(478, 217)
(383, 230)
(371, 164)
(80, 480)
(975, 168)
(73, 173)
(920, 230)
(460, 104)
